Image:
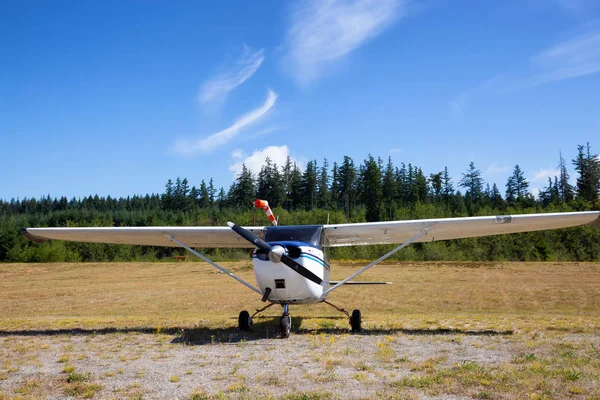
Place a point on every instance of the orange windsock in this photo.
(265, 206)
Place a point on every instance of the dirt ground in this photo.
(443, 330)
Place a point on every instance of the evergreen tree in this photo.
(588, 167)
(347, 185)
(496, 200)
(204, 200)
(447, 188)
(211, 192)
(516, 186)
(565, 189)
(335, 189)
(323, 186)
(371, 189)
(436, 185)
(168, 196)
(295, 195)
(473, 183)
(243, 193)
(388, 189)
(309, 185)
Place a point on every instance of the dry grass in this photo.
(553, 309)
(466, 296)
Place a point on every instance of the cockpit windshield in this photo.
(309, 234)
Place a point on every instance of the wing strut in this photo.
(214, 264)
(380, 259)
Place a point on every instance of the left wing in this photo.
(193, 236)
(452, 228)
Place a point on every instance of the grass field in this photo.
(468, 330)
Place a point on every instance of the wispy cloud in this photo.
(496, 169)
(395, 150)
(218, 87)
(542, 175)
(190, 146)
(277, 154)
(577, 6)
(578, 56)
(461, 101)
(323, 31)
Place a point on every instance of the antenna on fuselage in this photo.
(265, 206)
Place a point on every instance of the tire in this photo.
(244, 321)
(356, 321)
(285, 322)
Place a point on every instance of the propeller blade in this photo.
(249, 236)
(301, 269)
(261, 244)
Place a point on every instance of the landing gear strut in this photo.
(355, 319)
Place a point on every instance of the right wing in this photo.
(193, 236)
(395, 232)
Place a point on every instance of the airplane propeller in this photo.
(276, 253)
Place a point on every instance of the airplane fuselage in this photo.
(305, 245)
(286, 285)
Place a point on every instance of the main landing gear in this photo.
(285, 322)
(355, 319)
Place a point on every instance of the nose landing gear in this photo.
(285, 322)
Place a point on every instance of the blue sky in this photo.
(115, 98)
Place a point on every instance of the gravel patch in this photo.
(155, 366)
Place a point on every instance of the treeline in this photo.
(343, 192)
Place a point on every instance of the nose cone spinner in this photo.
(276, 253)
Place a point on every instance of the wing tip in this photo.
(230, 224)
(30, 236)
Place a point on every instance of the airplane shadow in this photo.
(263, 328)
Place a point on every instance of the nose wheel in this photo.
(285, 322)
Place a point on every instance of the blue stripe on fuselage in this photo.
(310, 257)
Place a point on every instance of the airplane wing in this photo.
(452, 228)
(356, 234)
(201, 236)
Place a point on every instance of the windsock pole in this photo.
(265, 206)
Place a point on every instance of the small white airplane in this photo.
(291, 263)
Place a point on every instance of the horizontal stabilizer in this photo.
(360, 283)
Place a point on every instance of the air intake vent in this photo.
(279, 283)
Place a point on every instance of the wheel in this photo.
(355, 321)
(286, 326)
(244, 320)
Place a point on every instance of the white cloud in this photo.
(323, 31)
(535, 192)
(218, 87)
(395, 150)
(237, 154)
(190, 147)
(277, 154)
(496, 169)
(572, 58)
(542, 175)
